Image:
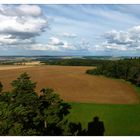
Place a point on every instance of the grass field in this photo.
(119, 120)
(115, 102)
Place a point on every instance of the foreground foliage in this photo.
(23, 112)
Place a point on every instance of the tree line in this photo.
(74, 62)
(127, 69)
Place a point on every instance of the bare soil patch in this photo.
(74, 85)
(9, 67)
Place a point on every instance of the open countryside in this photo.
(69, 70)
(73, 84)
(114, 101)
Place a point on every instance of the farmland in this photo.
(73, 84)
(115, 102)
(10, 67)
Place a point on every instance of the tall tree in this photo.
(23, 112)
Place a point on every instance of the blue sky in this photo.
(70, 30)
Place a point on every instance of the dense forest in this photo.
(127, 69)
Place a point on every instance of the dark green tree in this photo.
(53, 110)
(127, 69)
(1, 87)
(23, 112)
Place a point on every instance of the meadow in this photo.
(119, 120)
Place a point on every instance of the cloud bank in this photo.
(121, 40)
(75, 29)
(21, 24)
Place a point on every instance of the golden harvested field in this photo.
(9, 67)
(74, 85)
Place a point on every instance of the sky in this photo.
(112, 30)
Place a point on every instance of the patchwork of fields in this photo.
(115, 102)
(73, 84)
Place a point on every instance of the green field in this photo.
(119, 120)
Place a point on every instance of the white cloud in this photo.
(31, 10)
(69, 35)
(8, 40)
(68, 46)
(118, 37)
(42, 47)
(121, 40)
(48, 47)
(55, 44)
(55, 41)
(21, 23)
(114, 46)
(20, 10)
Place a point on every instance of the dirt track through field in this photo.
(74, 85)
